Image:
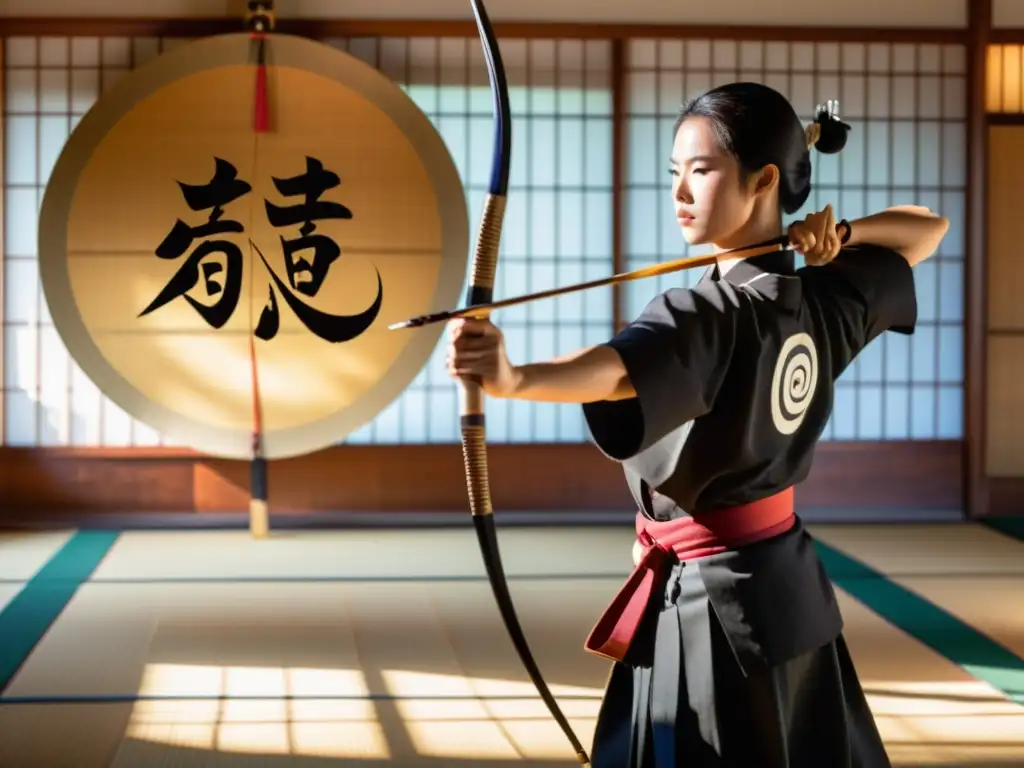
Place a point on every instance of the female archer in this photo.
(727, 640)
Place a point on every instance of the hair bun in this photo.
(827, 133)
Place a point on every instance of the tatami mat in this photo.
(8, 591)
(929, 550)
(994, 605)
(448, 553)
(62, 735)
(375, 647)
(970, 571)
(929, 710)
(22, 554)
(109, 632)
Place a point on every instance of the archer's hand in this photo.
(816, 237)
(477, 349)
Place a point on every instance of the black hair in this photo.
(758, 126)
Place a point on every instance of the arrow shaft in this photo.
(668, 267)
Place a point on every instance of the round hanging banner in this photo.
(172, 233)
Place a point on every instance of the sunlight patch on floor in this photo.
(949, 713)
(329, 713)
(480, 718)
(232, 719)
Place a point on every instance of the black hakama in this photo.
(739, 661)
(690, 704)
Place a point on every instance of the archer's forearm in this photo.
(912, 231)
(587, 376)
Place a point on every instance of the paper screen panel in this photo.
(557, 230)
(906, 104)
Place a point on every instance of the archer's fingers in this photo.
(831, 244)
(830, 223)
(475, 343)
(822, 225)
(458, 359)
(833, 247)
(484, 368)
(801, 238)
(471, 326)
(823, 255)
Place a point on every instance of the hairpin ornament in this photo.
(827, 133)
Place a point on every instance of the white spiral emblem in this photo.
(794, 382)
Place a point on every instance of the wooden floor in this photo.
(359, 647)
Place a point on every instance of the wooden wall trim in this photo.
(1006, 497)
(976, 315)
(1007, 119)
(1006, 36)
(3, 240)
(324, 28)
(429, 478)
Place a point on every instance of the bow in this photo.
(474, 433)
(827, 133)
(259, 22)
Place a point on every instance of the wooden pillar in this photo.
(979, 18)
(1004, 443)
(3, 240)
(619, 176)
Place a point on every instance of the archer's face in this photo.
(712, 201)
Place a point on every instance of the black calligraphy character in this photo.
(270, 320)
(307, 275)
(225, 187)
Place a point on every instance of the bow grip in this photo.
(481, 289)
(485, 261)
(473, 421)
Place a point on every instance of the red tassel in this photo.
(261, 118)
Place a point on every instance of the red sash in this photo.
(688, 538)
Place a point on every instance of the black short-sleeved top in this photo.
(734, 382)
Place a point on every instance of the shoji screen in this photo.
(906, 104)
(558, 226)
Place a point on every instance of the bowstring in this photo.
(253, 370)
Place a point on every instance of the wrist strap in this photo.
(846, 234)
